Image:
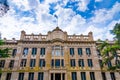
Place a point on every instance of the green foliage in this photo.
(107, 48)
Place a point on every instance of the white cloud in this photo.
(98, 0)
(104, 15)
(83, 5)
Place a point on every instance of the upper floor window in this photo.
(81, 63)
(11, 64)
(72, 62)
(98, 53)
(2, 63)
(34, 51)
(14, 52)
(57, 51)
(57, 63)
(23, 63)
(32, 62)
(100, 63)
(80, 51)
(42, 63)
(25, 51)
(74, 76)
(72, 51)
(0, 75)
(103, 76)
(90, 64)
(109, 64)
(42, 51)
(88, 51)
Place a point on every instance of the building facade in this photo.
(55, 56)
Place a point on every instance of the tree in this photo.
(110, 51)
(3, 52)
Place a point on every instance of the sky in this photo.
(73, 16)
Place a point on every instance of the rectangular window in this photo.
(25, 51)
(62, 62)
(42, 63)
(11, 64)
(100, 63)
(98, 53)
(90, 64)
(92, 76)
(109, 64)
(57, 63)
(8, 77)
(72, 62)
(74, 76)
(88, 51)
(40, 76)
(14, 52)
(81, 63)
(0, 75)
(31, 76)
(2, 63)
(42, 51)
(57, 51)
(112, 76)
(80, 51)
(21, 76)
(23, 63)
(72, 51)
(52, 63)
(32, 62)
(103, 76)
(83, 76)
(34, 51)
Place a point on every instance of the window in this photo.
(31, 76)
(21, 76)
(2, 63)
(112, 76)
(72, 62)
(109, 64)
(42, 51)
(14, 52)
(72, 51)
(23, 62)
(83, 76)
(32, 62)
(11, 64)
(92, 76)
(42, 63)
(88, 52)
(0, 75)
(62, 63)
(80, 51)
(90, 64)
(57, 63)
(25, 51)
(57, 51)
(81, 63)
(98, 53)
(34, 51)
(74, 76)
(100, 63)
(103, 76)
(40, 76)
(8, 77)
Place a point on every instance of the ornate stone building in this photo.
(55, 56)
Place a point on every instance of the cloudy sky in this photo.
(74, 16)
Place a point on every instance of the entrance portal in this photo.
(57, 76)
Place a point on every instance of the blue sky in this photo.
(74, 17)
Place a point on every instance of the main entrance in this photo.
(57, 76)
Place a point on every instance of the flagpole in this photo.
(56, 19)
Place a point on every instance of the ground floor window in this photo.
(31, 76)
(40, 76)
(74, 76)
(92, 76)
(83, 76)
(8, 77)
(21, 76)
(112, 76)
(103, 76)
